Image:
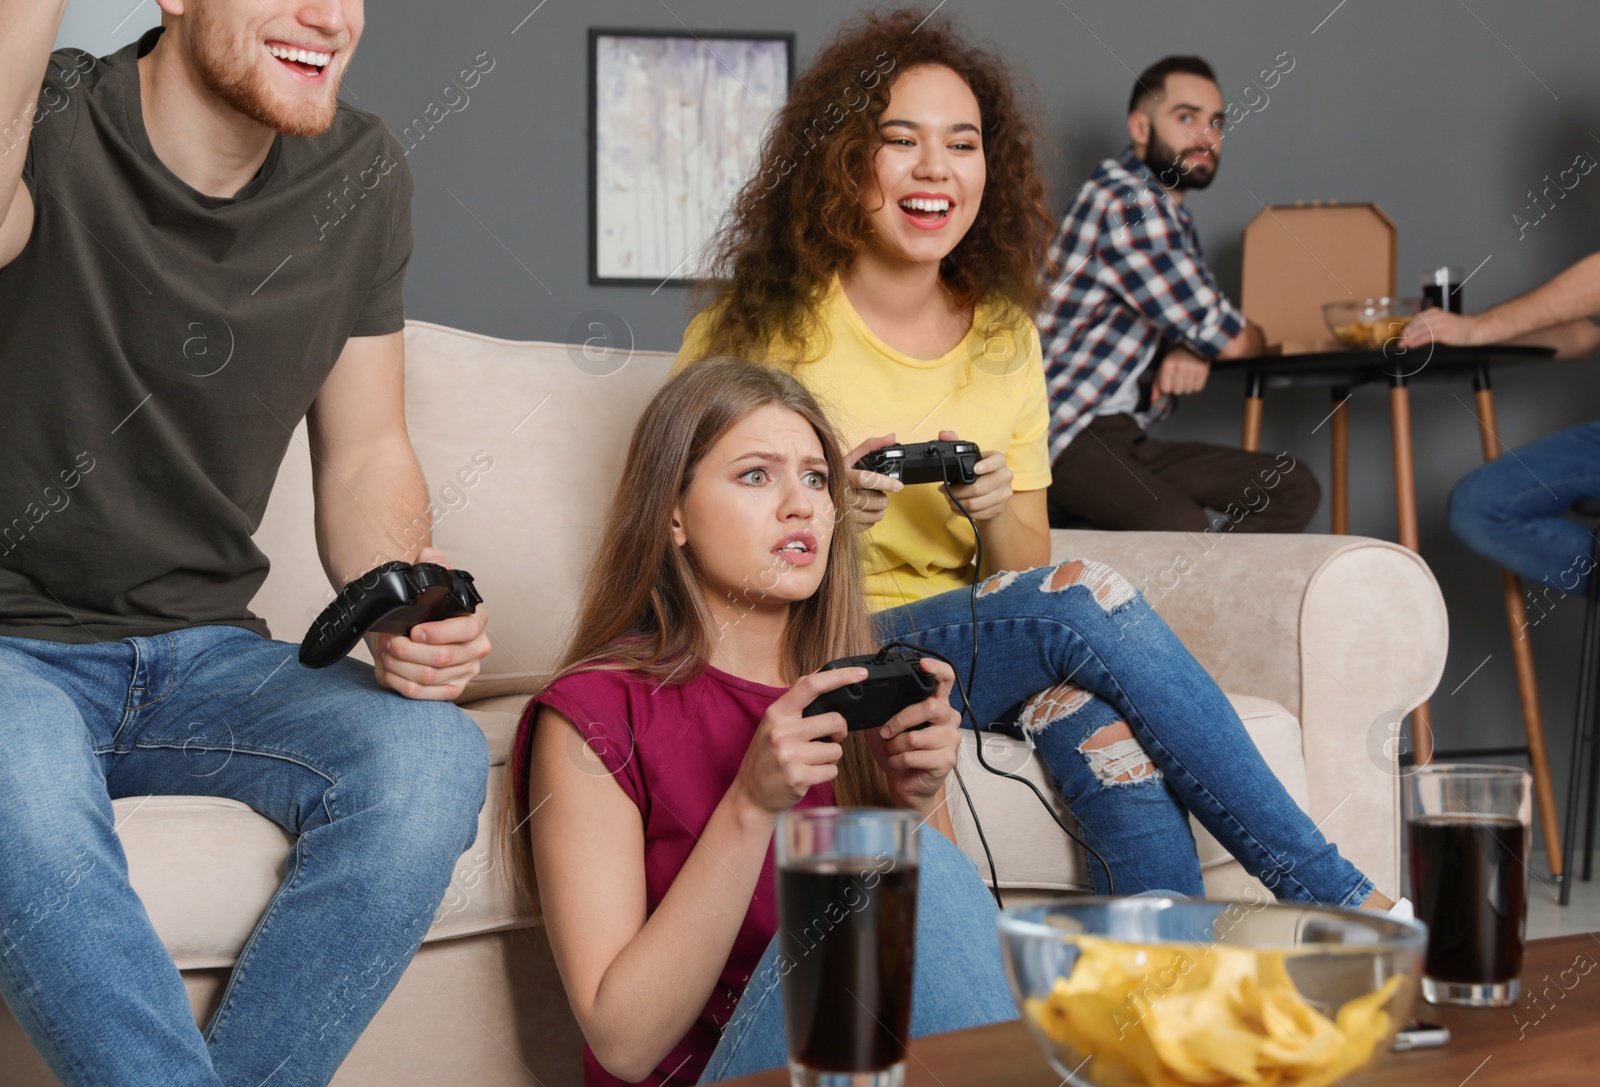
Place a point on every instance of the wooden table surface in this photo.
(1550, 1038)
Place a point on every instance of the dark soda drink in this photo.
(849, 929)
(1469, 875)
(1441, 288)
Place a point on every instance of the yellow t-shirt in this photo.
(985, 390)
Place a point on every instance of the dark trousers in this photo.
(1114, 476)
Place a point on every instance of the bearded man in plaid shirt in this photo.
(1133, 322)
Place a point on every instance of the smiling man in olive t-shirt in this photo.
(199, 247)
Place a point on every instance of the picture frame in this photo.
(676, 119)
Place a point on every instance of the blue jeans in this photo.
(381, 793)
(1068, 650)
(1512, 509)
(959, 979)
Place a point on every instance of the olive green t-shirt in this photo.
(159, 346)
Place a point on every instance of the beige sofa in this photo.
(1328, 640)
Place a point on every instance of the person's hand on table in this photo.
(1435, 325)
(437, 661)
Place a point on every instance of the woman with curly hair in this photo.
(885, 253)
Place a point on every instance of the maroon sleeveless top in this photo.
(674, 748)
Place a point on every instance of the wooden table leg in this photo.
(1405, 480)
(1405, 494)
(1252, 414)
(1340, 470)
(1522, 652)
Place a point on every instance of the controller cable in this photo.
(979, 729)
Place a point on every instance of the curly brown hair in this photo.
(801, 218)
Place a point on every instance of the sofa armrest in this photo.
(1348, 633)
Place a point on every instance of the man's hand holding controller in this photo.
(437, 661)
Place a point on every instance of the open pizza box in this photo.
(1296, 257)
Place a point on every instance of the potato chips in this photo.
(1372, 334)
(1172, 1014)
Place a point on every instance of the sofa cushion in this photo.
(206, 868)
(1031, 853)
(498, 718)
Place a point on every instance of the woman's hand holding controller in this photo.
(988, 497)
(918, 759)
(782, 762)
(870, 490)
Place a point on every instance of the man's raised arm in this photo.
(28, 29)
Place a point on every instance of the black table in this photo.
(1340, 372)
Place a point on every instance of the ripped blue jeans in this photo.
(1133, 731)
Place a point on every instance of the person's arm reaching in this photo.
(30, 28)
(371, 503)
(1572, 294)
(1571, 339)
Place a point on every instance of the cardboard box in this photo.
(1296, 257)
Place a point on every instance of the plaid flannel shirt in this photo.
(1131, 275)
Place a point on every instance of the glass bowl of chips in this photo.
(1369, 323)
(1162, 992)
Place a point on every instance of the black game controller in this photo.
(390, 599)
(954, 463)
(895, 680)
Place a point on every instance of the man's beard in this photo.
(1164, 163)
(238, 81)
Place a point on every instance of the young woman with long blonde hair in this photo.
(648, 775)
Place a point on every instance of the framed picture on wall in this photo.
(675, 126)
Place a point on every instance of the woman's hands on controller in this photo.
(917, 760)
(439, 659)
(985, 499)
(870, 489)
(988, 497)
(783, 762)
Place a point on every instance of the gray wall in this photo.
(1443, 113)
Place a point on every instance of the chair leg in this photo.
(1589, 815)
(1339, 470)
(1250, 440)
(1582, 736)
